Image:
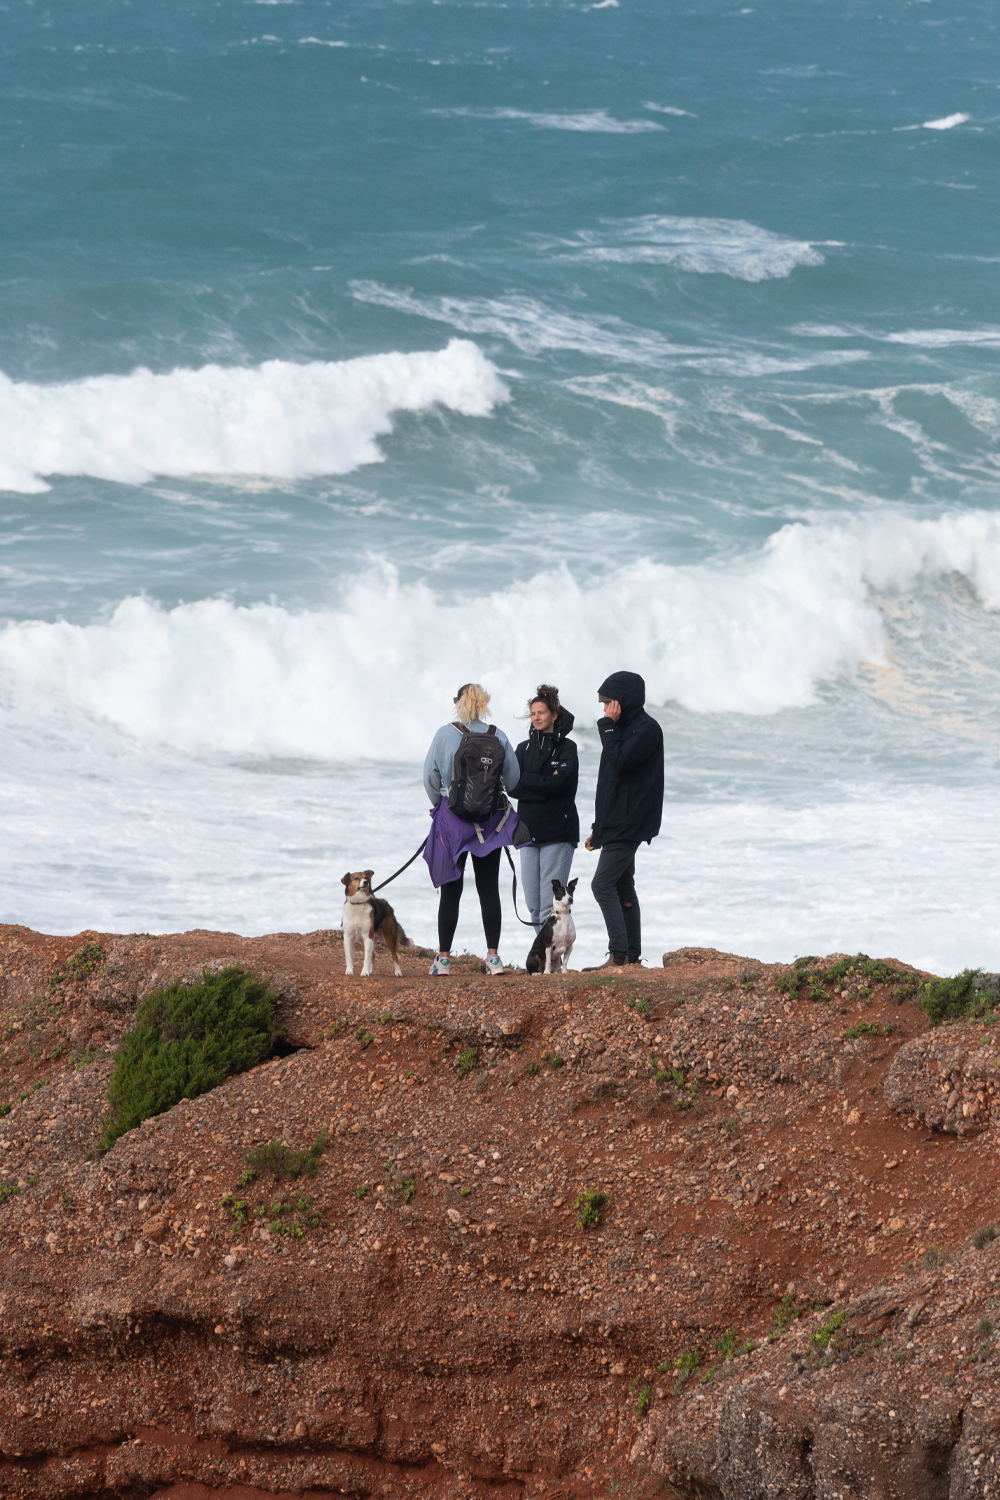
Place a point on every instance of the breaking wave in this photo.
(281, 419)
(371, 678)
(727, 247)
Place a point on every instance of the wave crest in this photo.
(281, 419)
(372, 678)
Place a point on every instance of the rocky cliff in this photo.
(708, 1230)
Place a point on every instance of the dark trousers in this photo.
(614, 891)
(487, 868)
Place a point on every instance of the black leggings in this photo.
(487, 868)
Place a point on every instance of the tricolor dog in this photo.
(364, 916)
(558, 934)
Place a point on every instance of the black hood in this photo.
(626, 688)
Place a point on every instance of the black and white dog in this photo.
(558, 934)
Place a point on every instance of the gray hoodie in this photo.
(440, 762)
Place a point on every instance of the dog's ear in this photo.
(571, 887)
(346, 879)
(558, 890)
(369, 873)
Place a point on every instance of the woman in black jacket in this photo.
(546, 800)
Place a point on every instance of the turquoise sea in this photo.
(350, 351)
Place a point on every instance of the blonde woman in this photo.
(480, 828)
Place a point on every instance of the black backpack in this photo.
(476, 786)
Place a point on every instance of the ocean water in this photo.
(350, 351)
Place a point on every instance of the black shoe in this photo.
(630, 960)
(613, 961)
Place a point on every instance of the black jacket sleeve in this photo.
(560, 777)
(625, 753)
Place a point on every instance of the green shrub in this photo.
(466, 1061)
(965, 994)
(187, 1039)
(984, 1236)
(588, 1205)
(9, 1190)
(863, 1028)
(825, 1332)
(281, 1162)
(79, 964)
(686, 1365)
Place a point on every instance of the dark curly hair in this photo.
(549, 695)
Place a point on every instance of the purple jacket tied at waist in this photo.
(451, 836)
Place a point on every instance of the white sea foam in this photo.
(532, 327)
(528, 324)
(919, 338)
(752, 636)
(312, 41)
(279, 419)
(668, 109)
(946, 122)
(589, 121)
(728, 247)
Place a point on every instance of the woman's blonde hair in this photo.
(471, 702)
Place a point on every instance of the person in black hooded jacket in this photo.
(546, 800)
(628, 808)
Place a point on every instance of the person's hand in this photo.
(588, 844)
(613, 710)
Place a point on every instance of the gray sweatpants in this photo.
(539, 867)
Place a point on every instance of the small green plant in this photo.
(187, 1040)
(588, 1207)
(362, 1191)
(482, 1081)
(465, 1191)
(968, 994)
(532, 1068)
(32, 1181)
(727, 1348)
(984, 1236)
(79, 964)
(5, 1109)
(729, 983)
(8, 1190)
(933, 1260)
(409, 1189)
(292, 1217)
(236, 1208)
(65, 1202)
(642, 1405)
(383, 1019)
(686, 1365)
(553, 1059)
(820, 1340)
(732, 1124)
(246, 1177)
(281, 1162)
(467, 1061)
(86, 1058)
(39, 1083)
(985, 1327)
(365, 1038)
(783, 1317)
(863, 1028)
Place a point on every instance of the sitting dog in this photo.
(558, 934)
(364, 915)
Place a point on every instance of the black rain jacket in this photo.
(546, 790)
(629, 803)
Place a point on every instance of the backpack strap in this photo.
(464, 729)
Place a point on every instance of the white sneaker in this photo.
(493, 964)
(441, 967)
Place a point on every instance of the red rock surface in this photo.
(468, 1337)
